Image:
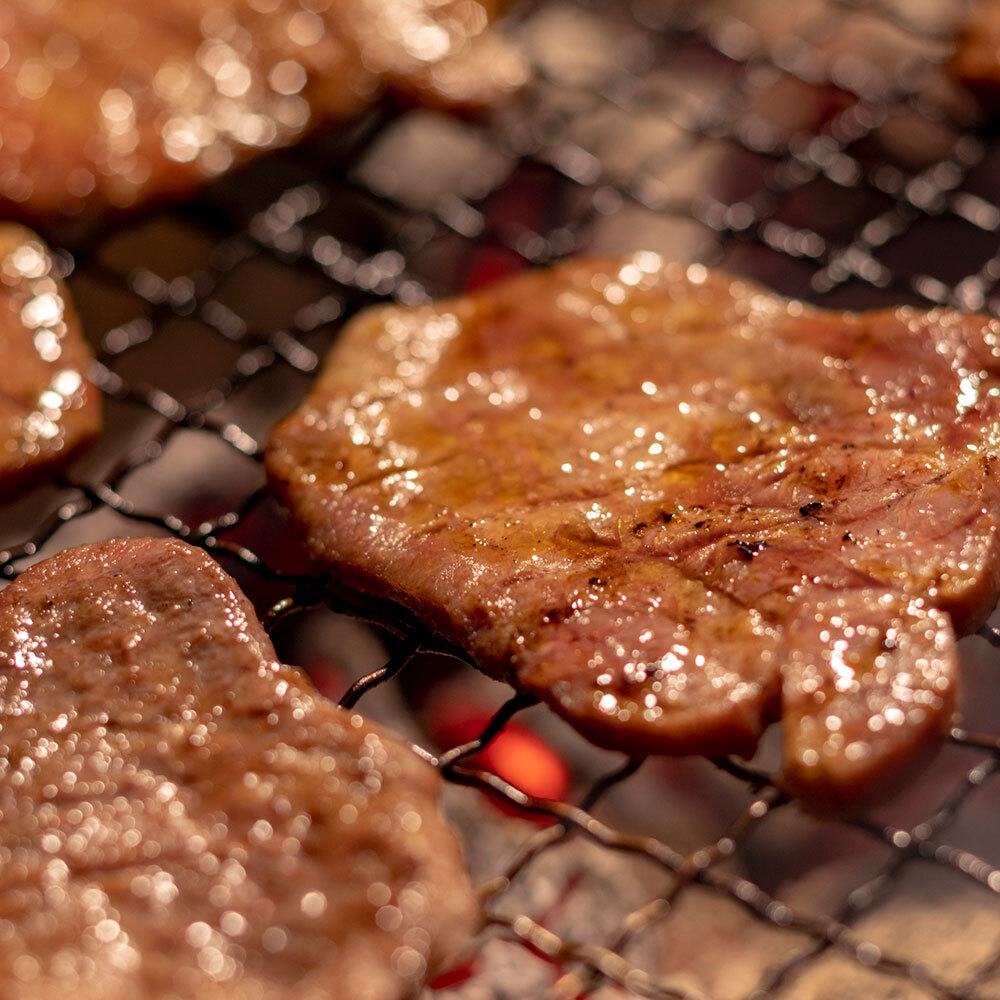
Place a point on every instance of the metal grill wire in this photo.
(822, 150)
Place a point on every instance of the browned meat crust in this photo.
(673, 504)
(48, 409)
(185, 817)
(113, 101)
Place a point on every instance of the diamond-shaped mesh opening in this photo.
(819, 147)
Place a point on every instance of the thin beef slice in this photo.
(185, 817)
(112, 102)
(672, 504)
(48, 409)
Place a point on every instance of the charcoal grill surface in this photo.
(820, 149)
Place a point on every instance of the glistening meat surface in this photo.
(673, 504)
(48, 409)
(182, 816)
(112, 101)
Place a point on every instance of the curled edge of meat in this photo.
(900, 640)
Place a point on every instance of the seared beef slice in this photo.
(48, 409)
(185, 817)
(114, 101)
(976, 59)
(673, 504)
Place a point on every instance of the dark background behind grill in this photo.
(818, 147)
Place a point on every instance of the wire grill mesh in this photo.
(823, 150)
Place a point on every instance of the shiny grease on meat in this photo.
(673, 504)
(48, 409)
(183, 816)
(112, 101)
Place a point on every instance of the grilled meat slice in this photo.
(673, 504)
(185, 817)
(976, 58)
(111, 102)
(48, 409)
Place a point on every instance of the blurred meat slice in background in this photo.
(106, 102)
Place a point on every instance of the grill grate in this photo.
(823, 151)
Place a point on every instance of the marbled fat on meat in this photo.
(182, 816)
(48, 409)
(673, 504)
(113, 102)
